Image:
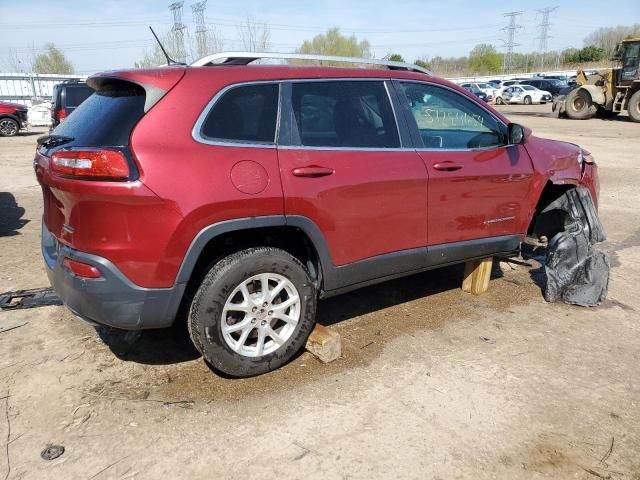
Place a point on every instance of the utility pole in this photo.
(201, 29)
(507, 61)
(178, 31)
(543, 28)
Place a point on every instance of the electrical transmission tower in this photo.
(507, 61)
(201, 29)
(178, 31)
(543, 28)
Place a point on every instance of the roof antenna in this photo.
(170, 61)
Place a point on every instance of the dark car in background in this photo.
(551, 85)
(67, 96)
(13, 117)
(478, 93)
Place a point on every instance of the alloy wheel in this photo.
(260, 315)
(8, 127)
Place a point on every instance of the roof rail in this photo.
(244, 58)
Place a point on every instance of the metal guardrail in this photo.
(23, 87)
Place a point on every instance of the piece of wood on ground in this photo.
(476, 276)
(324, 344)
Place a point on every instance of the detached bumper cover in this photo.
(112, 300)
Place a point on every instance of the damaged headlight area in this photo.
(585, 157)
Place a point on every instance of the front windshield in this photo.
(528, 87)
(556, 83)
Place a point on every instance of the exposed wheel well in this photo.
(290, 239)
(550, 223)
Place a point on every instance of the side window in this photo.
(448, 120)
(352, 114)
(246, 113)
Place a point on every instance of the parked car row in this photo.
(67, 96)
(520, 90)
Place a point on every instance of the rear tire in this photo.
(527, 100)
(233, 293)
(633, 107)
(579, 105)
(8, 127)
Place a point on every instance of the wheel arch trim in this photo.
(212, 231)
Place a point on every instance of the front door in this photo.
(478, 185)
(343, 167)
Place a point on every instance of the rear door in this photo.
(478, 185)
(344, 167)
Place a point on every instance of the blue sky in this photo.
(108, 34)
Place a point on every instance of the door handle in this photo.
(312, 171)
(447, 166)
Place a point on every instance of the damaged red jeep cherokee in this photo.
(241, 194)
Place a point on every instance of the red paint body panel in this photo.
(11, 108)
(124, 222)
(488, 197)
(375, 202)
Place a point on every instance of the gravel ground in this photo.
(433, 383)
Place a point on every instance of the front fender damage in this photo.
(576, 272)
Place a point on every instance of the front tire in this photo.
(527, 100)
(253, 312)
(8, 127)
(499, 101)
(579, 105)
(633, 107)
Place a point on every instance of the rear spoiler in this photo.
(156, 82)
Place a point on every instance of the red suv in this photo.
(13, 117)
(242, 194)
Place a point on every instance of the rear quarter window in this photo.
(243, 114)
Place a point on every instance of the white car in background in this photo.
(525, 94)
(486, 88)
(503, 86)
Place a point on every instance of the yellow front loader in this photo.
(608, 91)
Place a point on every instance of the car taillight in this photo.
(90, 164)
(80, 269)
(62, 114)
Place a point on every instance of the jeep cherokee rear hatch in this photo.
(90, 178)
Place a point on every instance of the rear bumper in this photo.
(112, 300)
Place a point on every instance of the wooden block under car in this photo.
(324, 344)
(476, 276)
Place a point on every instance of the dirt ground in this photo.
(432, 384)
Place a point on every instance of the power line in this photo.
(543, 28)
(178, 31)
(507, 61)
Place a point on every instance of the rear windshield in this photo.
(106, 118)
(74, 96)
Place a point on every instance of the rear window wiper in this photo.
(50, 141)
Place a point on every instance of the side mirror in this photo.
(516, 134)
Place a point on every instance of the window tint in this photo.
(74, 96)
(448, 120)
(244, 114)
(344, 114)
(106, 118)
